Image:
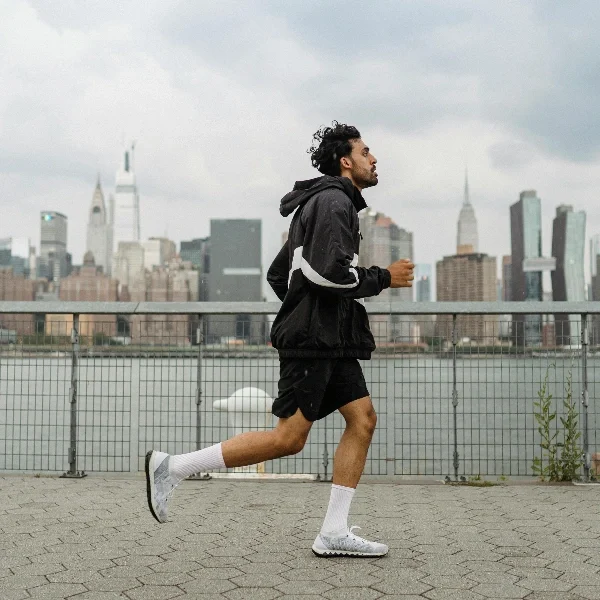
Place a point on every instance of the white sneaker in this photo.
(160, 483)
(347, 543)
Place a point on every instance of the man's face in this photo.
(363, 169)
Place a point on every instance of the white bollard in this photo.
(248, 409)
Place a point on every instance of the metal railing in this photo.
(91, 386)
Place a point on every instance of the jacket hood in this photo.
(304, 190)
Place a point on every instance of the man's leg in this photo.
(165, 472)
(288, 437)
(349, 461)
(335, 538)
(351, 453)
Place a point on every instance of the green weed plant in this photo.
(558, 460)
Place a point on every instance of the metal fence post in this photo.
(325, 456)
(454, 396)
(585, 340)
(199, 340)
(73, 472)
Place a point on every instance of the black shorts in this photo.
(318, 386)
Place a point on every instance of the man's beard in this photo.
(364, 178)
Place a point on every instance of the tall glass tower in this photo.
(568, 280)
(126, 223)
(526, 244)
(594, 270)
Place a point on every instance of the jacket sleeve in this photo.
(328, 260)
(279, 271)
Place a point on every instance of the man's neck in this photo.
(348, 176)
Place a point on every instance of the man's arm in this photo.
(328, 261)
(279, 271)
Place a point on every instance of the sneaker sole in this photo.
(334, 553)
(150, 485)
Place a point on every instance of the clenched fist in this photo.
(402, 273)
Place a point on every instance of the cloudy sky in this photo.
(223, 97)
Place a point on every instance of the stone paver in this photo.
(94, 539)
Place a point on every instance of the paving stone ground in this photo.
(94, 539)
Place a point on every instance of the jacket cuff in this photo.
(387, 279)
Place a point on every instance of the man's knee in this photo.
(291, 435)
(365, 423)
(288, 443)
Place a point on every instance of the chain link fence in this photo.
(454, 390)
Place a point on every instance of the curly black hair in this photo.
(329, 145)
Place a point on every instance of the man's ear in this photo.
(345, 162)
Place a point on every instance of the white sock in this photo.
(207, 459)
(336, 518)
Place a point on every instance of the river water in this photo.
(128, 405)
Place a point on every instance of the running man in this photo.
(321, 331)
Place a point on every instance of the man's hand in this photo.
(402, 273)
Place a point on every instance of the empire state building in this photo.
(467, 240)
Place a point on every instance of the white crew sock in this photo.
(207, 459)
(336, 519)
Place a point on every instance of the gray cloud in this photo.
(408, 65)
(223, 99)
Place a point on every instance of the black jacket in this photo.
(316, 275)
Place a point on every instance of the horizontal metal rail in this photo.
(269, 308)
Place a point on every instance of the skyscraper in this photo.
(99, 232)
(595, 267)
(175, 281)
(53, 263)
(5, 252)
(594, 293)
(128, 264)
(197, 252)
(423, 279)
(568, 280)
(507, 278)
(468, 278)
(383, 243)
(158, 251)
(17, 254)
(467, 239)
(126, 222)
(235, 275)
(526, 244)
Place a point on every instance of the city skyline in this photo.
(156, 246)
(223, 120)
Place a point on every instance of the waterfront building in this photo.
(468, 278)
(383, 242)
(568, 279)
(53, 259)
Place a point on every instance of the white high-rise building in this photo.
(467, 239)
(99, 232)
(126, 216)
(128, 263)
(158, 252)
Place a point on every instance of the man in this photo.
(320, 331)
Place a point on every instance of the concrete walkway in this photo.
(94, 539)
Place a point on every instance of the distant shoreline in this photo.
(252, 352)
